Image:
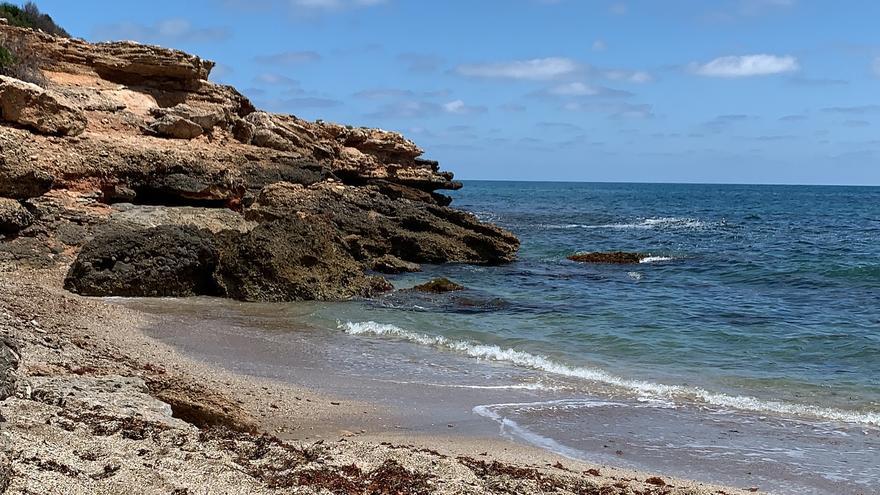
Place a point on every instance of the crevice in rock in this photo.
(157, 197)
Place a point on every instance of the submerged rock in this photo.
(614, 257)
(439, 286)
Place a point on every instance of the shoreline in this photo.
(69, 342)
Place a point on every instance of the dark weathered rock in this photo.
(392, 264)
(20, 183)
(439, 286)
(31, 106)
(157, 262)
(376, 225)
(289, 260)
(13, 216)
(10, 358)
(614, 257)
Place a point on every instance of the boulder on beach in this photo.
(439, 286)
(612, 257)
(165, 261)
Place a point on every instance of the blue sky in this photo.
(741, 91)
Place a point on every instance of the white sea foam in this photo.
(655, 259)
(511, 428)
(644, 388)
(646, 223)
(634, 275)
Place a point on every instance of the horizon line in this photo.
(671, 183)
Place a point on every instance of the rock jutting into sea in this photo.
(614, 257)
(149, 180)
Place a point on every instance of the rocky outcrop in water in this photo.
(125, 138)
(614, 257)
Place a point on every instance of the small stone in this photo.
(439, 286)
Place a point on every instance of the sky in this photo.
(727, 91)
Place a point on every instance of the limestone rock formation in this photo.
(31, 106)
(141, 134)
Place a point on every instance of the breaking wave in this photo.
(646, 223)
(643, 388)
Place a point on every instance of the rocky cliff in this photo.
(146, 178)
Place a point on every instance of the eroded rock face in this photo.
(13, 216)
(31, 106)
(10, 357)
(166, 261)
(392, 264)
(374, 225)
(316, 204)
(283, 260)
(290, 260)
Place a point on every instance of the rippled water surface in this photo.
(759, 297)
(745, 349)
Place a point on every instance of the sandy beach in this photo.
(101, 407)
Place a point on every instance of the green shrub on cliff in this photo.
(6, 58)
(30, 16)
(17, 58)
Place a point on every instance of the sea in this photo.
(745, 349)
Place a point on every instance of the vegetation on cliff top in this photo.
(29, 16)
(17, 60)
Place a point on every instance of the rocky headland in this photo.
(126, 172)
(128, 165)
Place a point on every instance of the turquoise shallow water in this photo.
(763, 298)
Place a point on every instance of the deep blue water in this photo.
(762, 298)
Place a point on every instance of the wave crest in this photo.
(644, 388)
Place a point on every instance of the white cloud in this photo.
(459, 107)
(746, 66)
(599, 46)
(575, 89)
(535, 69)
(633, 76)
(173, 30)
(288, 58)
